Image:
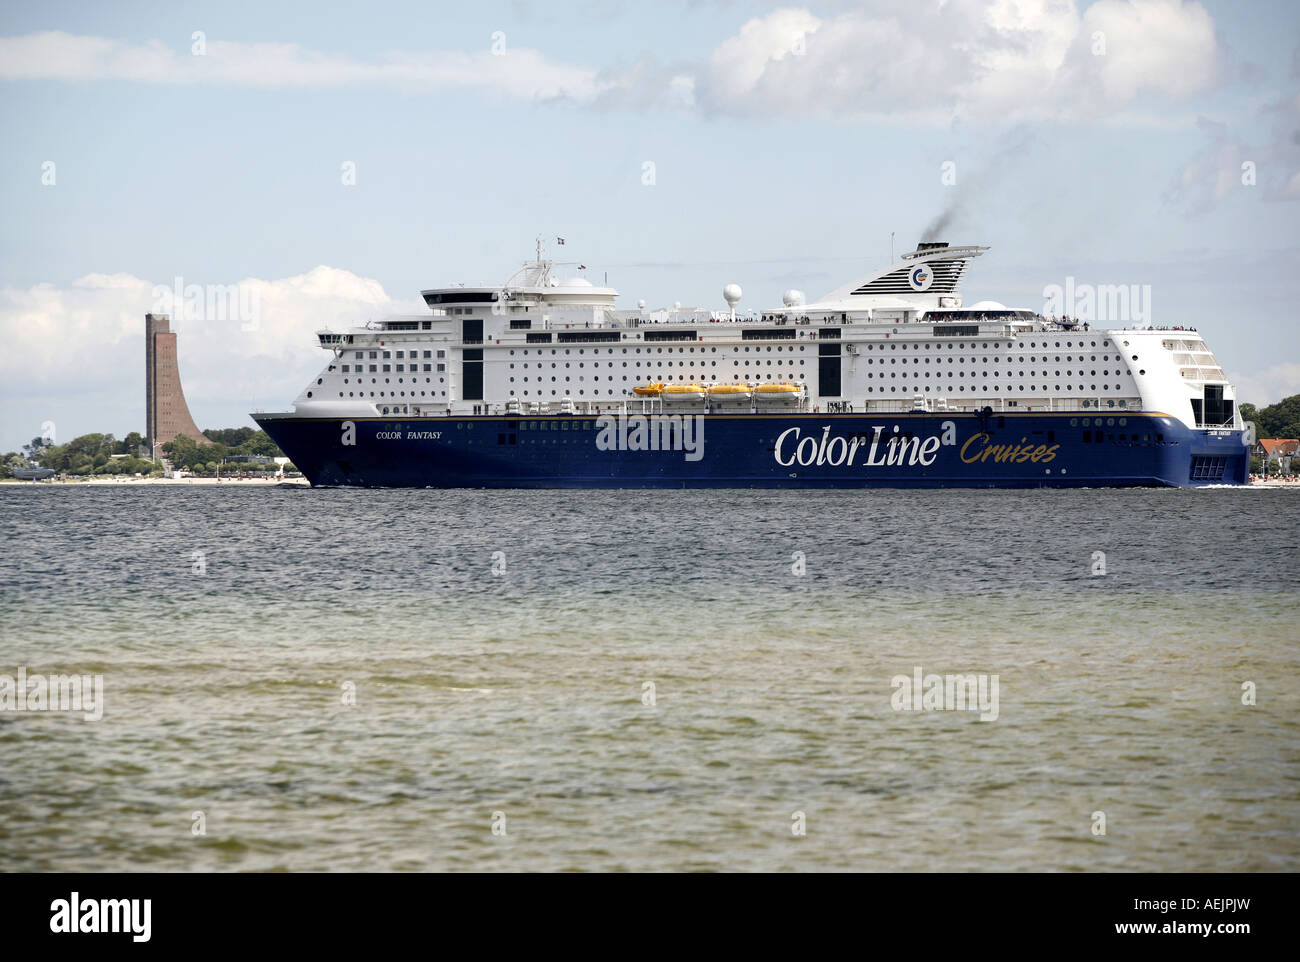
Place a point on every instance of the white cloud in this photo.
(1167, 47)
(964, 60)
(1009, 60)
(1268, 386)
(75, 354)
(519, 73)
(737, 66)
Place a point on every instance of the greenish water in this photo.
(523, 692)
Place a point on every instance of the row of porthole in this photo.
(1021, 388)
(995, 360)
(986, 360)
(658, 350)
(995, 345)
(669, 377)
(970, 345)
(961, 374)
(383, 394)
(648, 363)
(401, 355)
(994, 374)
(387, 380)
(670, 363)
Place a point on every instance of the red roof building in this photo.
(1275, 448)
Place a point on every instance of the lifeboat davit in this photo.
(685, 392)
(649, 390)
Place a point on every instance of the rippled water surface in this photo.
(522, 692)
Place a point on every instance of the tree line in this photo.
(186, 454)
(93, 454)
(1280, 420)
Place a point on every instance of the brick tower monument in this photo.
(166, 413)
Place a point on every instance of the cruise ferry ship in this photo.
(887, 381)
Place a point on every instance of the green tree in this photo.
(184, 452)
(131, 444)
(34, 448)
(1280, 420)
(231, 437)
(10, 463)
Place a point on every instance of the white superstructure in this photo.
(897, 339)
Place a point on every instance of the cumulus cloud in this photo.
(890, 60)
(86, 340)
(964, 60)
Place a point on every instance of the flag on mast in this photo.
(559, 240)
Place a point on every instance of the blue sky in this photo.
(773, 167)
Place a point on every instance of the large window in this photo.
(471, 377)
(574, 337)
(670, 335)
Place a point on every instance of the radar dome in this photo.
(792, 298)
(987, 306)
(731, 293)
(641, 303)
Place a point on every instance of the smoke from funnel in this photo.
(940, 223)
(971, 189)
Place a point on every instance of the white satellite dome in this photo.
(731, 293)
(792, 298)
(987, 306)
(677, 305)
(641, 303)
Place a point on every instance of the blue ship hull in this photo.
(778, 450)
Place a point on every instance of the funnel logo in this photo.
(920, 277)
